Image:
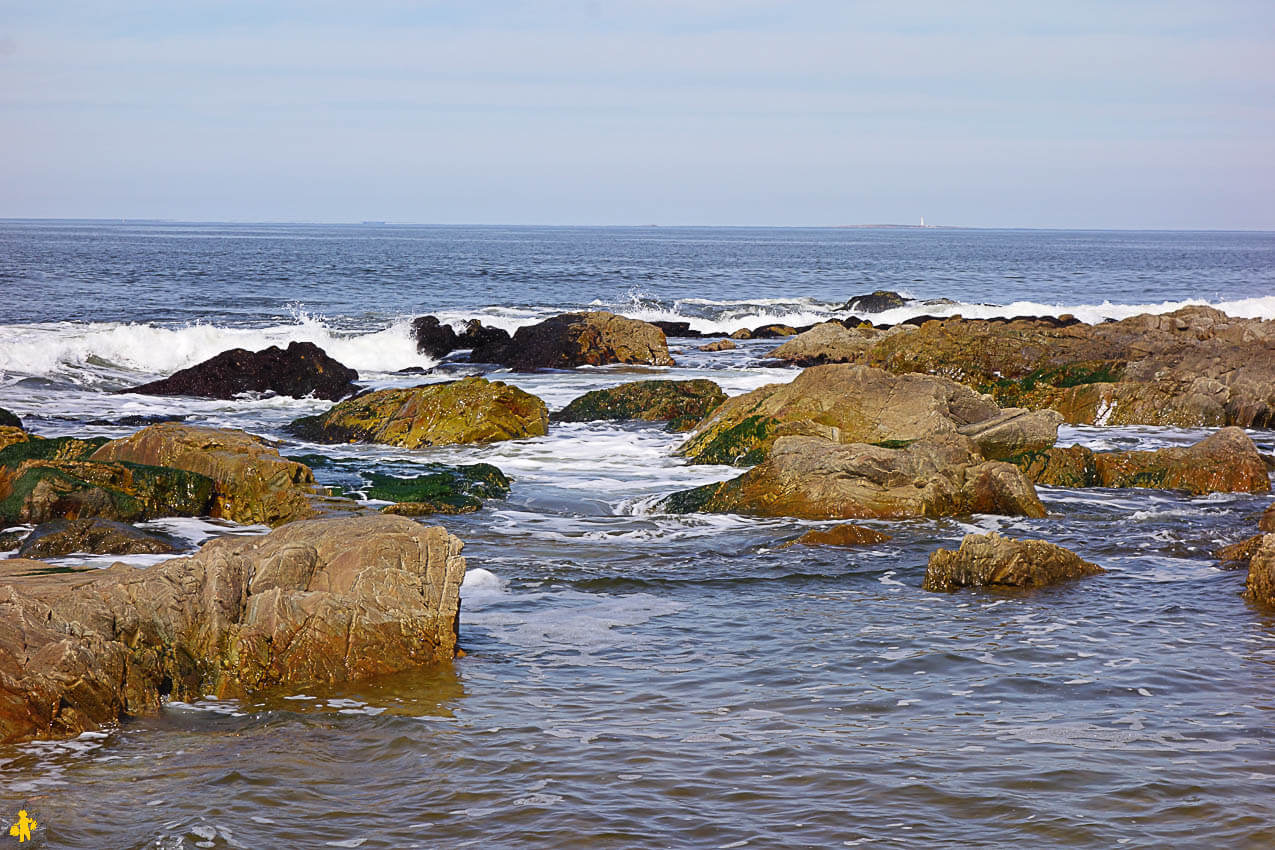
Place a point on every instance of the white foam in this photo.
(479, 582)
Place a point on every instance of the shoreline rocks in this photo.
(990, 560)
(682, 403)
(570, 340)
(1259, 587)
(319, 601)
(470, 410)
(302, 369)
(60, 537)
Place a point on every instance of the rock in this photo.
(9, 420)
(846, 534)
(742, 333)
(875, 302)
(10, 540)
(1013, 432)
(720, 345)
(434, 338)
(682, 330)
(471, 410)
(1239, 554)
(311, 603)
(830, 342)
(773, 332)
(482, 340)
(38, 491)
(1224, 462)
(251, 483)
(989, 560)
(844, 404)
(582, 339)
(1267, 522)
(300, 370)
(10, 436)
(1260, 586)
(682, 403)
(813, 478)
(94, 535)
(1195, 367)
(442, 489)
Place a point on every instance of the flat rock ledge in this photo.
(990, 560)
(317, 601)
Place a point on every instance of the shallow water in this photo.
(635, 679)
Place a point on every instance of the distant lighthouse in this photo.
(923, 221)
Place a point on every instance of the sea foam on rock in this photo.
(320, 601)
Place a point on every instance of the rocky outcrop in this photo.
(441, 489)
(314, 602)
(471, 410)
(433, 337)
(580, 339)
(302, 369)
(990, 560)
(92, 535)
(681, 330)
(10, 436)
(683, 404)
(251, 482)
(846, 534)
(1013, 432)
(720, 345)
(1226, 461)
(851, 404)
(1195, 367)
(9, 420)
(1260, 586)
(875, 302)
(814, 478)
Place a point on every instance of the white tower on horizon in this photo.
(923, 221)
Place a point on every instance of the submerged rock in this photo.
(93, 535)
(1226, 461)
(720, 345)
(302, 369)
(846, 534)
(313, 602)
(251, 482)
(471, 410)
(580, 339)
(443, 489)
(813, 478)
(990, 560)
(682, 403)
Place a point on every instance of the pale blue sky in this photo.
(1075, 114)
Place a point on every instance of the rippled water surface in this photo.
(634, 679)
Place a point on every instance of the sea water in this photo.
(635, 679)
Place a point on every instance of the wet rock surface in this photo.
(683, 404)
(1260, 585)
(990, 560)
(580, 339)
(302, 369)
(320, 601)
(846, 534)
(94, 535)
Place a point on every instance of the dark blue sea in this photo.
(635, 679)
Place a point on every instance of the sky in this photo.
(1081, 114)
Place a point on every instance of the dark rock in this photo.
(301, 370)
(681, 330)
(9, 420)
(581, 339)
(486, 342)
(772, 332)
(94, 535)
(442, 489)
(433, 338)
(875, 302)
(682, 403)
(139, 421)
(989, 560)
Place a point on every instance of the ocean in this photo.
(635, 679)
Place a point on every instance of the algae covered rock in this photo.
(302, 369)
(95, 535)
(37, 491)
(1260, 585)
(580, 339)
(812, 478)
(682, 403)
(471, 410)
(442, 489)
(990, 560)
(251, 482)
(314, 602)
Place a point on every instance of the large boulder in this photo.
(1260, 586)
(580, 339)
(311, 603)
(433, 337)
(855, 404)
(95, 535)
(1226, 461)
(990, 560)
(251, 482)
(1194, 367)
(682, 403)
(302, 369)
(9, 420)
(813, 478)
(471, 410)
(875, 302)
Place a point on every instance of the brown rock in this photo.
(314, 602)
(1267, 522)
(252, 483)
(742, 333)
(1260, 586)
(1238, 555)
(583, 339)
(1012, 432)
(11, 436)
(94, 535)
(995, 561)
(720, 345)
(846, 534)
(302, 369)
